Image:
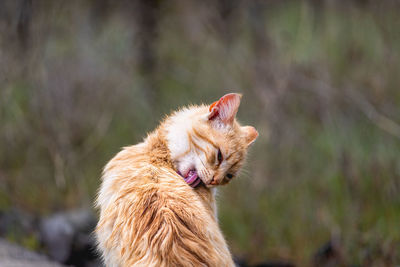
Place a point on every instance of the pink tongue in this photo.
(192, 179)
(196, 183)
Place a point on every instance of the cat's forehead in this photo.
(194, 120)
(226, 137)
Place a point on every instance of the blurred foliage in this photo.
(81, 79)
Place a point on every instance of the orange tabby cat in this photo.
(157, 206)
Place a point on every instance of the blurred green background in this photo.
(320, 79)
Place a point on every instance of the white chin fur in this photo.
(178, 143)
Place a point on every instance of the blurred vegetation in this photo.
(81, 79)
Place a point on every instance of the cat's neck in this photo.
(157, 149)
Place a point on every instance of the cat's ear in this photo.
(250, 134)
(225, 108)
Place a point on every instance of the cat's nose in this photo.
(213, 181)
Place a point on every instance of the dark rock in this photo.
(57, 235)
(14, 256)
(329, 254)
(68, 238)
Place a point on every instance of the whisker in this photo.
(200, 159)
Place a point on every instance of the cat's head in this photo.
(207, 142)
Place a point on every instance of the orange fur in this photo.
(149, 216)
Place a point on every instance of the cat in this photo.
(156, 201)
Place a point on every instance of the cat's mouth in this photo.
(191, 178)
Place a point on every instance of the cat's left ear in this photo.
(225, 108)
(250, 134)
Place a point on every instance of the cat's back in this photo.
(134, 176)
(150, 217)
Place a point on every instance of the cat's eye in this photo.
(219, 156)
(229, 176)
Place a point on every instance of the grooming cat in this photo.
(156, 201)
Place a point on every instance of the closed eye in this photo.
(219, 156)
